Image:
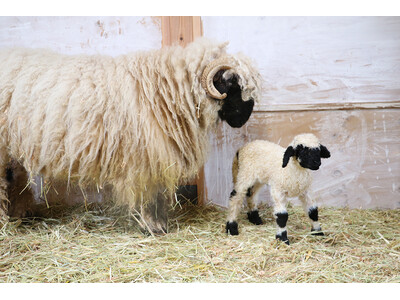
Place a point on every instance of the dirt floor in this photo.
(105, 245)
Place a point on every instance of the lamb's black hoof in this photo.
(317, 232)
(232, 228)
(283, 237)
(254, 217)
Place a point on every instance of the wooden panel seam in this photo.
(263, 108)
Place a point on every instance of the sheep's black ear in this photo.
(288, 153)
(324, 152)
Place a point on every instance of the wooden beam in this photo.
(183, 30)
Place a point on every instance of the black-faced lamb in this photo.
(286, 171)
(138, 122)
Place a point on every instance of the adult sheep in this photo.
(139, 122)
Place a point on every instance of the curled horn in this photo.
(209, 73)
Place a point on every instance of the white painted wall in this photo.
(317, 59)
(90, 35)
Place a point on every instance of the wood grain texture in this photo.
(363, 171)
(180, 30)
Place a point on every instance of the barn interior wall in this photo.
(362, 172)
(320, 74)
(87, 35)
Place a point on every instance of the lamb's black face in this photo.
(234, 110)
(308, 157)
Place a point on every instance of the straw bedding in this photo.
(104, 244)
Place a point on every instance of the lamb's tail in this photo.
(235, 166)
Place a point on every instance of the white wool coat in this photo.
(138, 122)
(261, 161)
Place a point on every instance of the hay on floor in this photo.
(105, 245)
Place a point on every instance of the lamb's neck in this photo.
(296, 169)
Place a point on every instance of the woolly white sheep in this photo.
(288, 174)
(139, 122)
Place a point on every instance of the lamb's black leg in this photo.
(232, 228)
(313, 215)
(254, 217)
(235, 202)
(281, 220)
(251, 197)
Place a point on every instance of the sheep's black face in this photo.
(234, 110)
(309, 158)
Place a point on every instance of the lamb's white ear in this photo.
(288, 153)
(324, 151)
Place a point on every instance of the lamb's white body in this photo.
(260, 162)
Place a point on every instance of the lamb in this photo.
(288, 174)
(138, 123)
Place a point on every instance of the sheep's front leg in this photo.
(4, 202)
(155, 215)
(311, 210)
(235, 204)
(19, 191)
(280, 214)
(251, 197)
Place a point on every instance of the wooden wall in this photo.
(337, 77)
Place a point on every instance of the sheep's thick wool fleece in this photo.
(293, 179)
(139, 121)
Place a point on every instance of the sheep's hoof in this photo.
(153, 226)
(283, 237)
(254, 217)
(21, 212)
(154, 217)
(3, 217)
(150, 226)
(232, 228)
(317, 232)
(154, 231)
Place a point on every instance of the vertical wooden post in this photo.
(183, 30)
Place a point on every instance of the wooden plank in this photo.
(182, 30)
